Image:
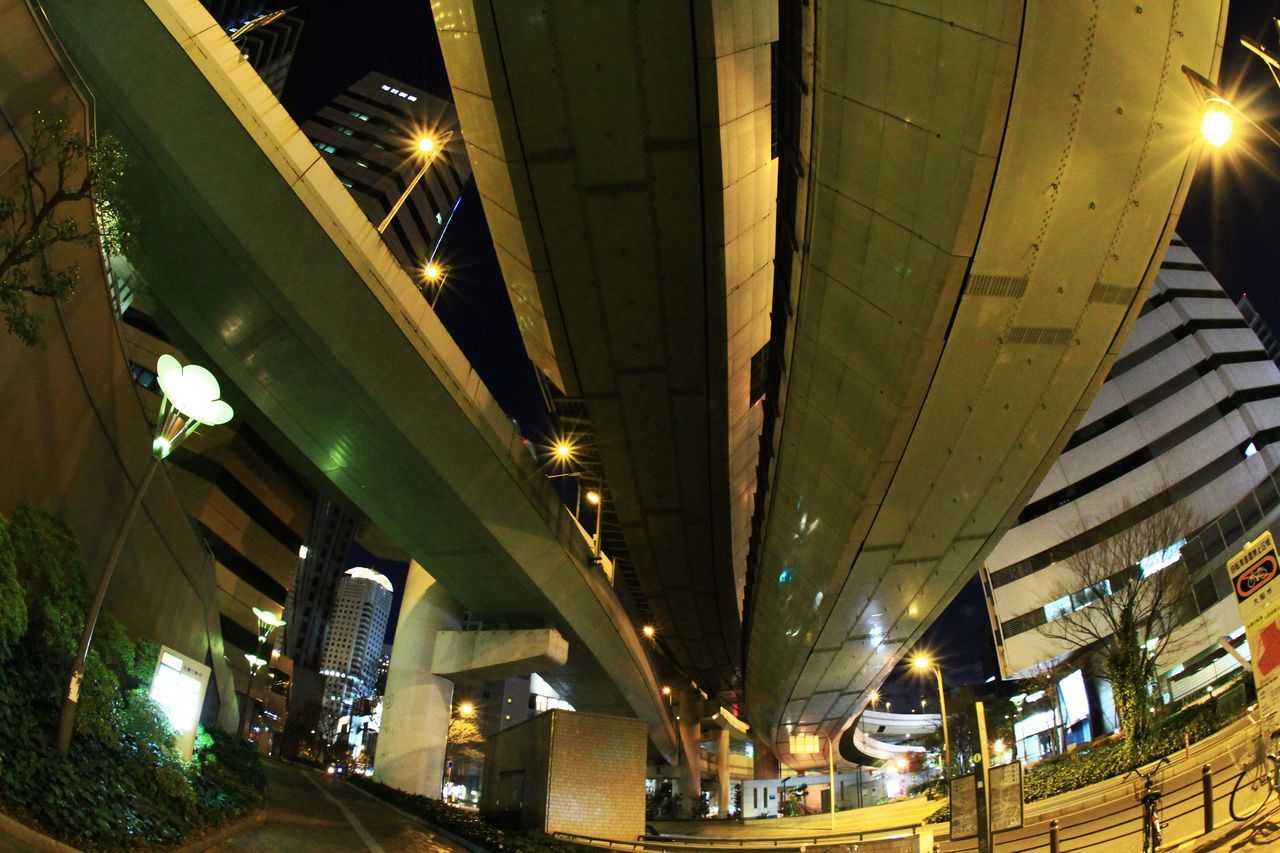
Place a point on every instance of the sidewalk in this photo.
(1262, 832)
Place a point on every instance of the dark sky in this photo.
(1229, 218)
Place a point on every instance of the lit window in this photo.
(1157, 560)
(362, 164)
(1057, 608)
(386, 88)
(1250, 449)
(413, 97)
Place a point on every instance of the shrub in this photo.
(123, 784)
(467, 824)
(13, 604)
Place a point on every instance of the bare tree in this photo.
(464, 739)
(59, 168)
(1122, 600)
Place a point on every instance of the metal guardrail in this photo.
(777, 843)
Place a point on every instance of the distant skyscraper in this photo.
(368, 135)
(1260, 327)
(312, 594)
(357, 625)
(269, 47)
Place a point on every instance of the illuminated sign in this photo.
(178, 687)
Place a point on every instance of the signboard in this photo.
(1006, 796)
(178, 686)
(1253, 577)
(964, 807)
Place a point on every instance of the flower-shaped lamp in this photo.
(190, 398)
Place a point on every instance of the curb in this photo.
(253, 821)
(456, 839)
(31, 837)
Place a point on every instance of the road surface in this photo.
(308, 811)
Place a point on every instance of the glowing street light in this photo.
(923, 664)
(191, 398)
(268, 622)
(430, 149)
(873, 697)
(649, 631)
(466, 709)
(1216, 126)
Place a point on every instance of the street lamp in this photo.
(466, 709)
(1217, 124)
(923, 664)
(430, 149)
(593, 498)
(434, 274)
(649, 631)
(267, 623)
(191, 398)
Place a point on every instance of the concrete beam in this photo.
(475, 657)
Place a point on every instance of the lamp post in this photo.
(434, 274)
(430, 149)
(190, 398)
(267, 623)
(593, 498)
(923, 663)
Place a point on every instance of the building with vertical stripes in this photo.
(368, 136)
(270, 44)
(1189, 413)
(353, 645)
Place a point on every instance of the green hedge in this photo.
(466, 824)
(1064, 773)
(123, 784)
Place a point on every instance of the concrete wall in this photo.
(564, 771)
(75, 439)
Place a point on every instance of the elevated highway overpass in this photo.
(968, 203)
(250, 242)
(823, 367)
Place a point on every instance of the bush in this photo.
(1064, 773)
(13, 603)
(467, 824)
(123, 784)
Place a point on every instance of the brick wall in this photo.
(568, 772)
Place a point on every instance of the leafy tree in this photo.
(1123, 607)
(464, 738)
(37, 214)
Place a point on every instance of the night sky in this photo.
(1228, 220)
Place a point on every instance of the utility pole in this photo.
(983, 781)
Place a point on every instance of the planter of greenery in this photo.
(123, 784)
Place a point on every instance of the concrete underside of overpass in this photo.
(986, 190)
(992, 190)
(253, 246)
(623, 155)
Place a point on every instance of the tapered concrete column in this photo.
(722, 773)
(415, 711)
(690, 728)
(765, 762)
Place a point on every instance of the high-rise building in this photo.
(269, 44)
(368, 135)
(320, 565)
(1190, 414)
(1260, 327)
(353, 647)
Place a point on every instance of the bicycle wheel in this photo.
(1250, 792)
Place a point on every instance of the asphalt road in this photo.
(308, 811)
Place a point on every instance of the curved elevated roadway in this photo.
(252, 244)
(992, 188)
(977, 197)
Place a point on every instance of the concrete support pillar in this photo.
(765, 762)
(689, 726)
(722, 773)
(416, 709)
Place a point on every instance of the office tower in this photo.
(269, 44)
(357, 626)
(368, 135)
(321, 563)
(1190, 415)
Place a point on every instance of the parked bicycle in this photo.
(1259, 778)
(1152, 828)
